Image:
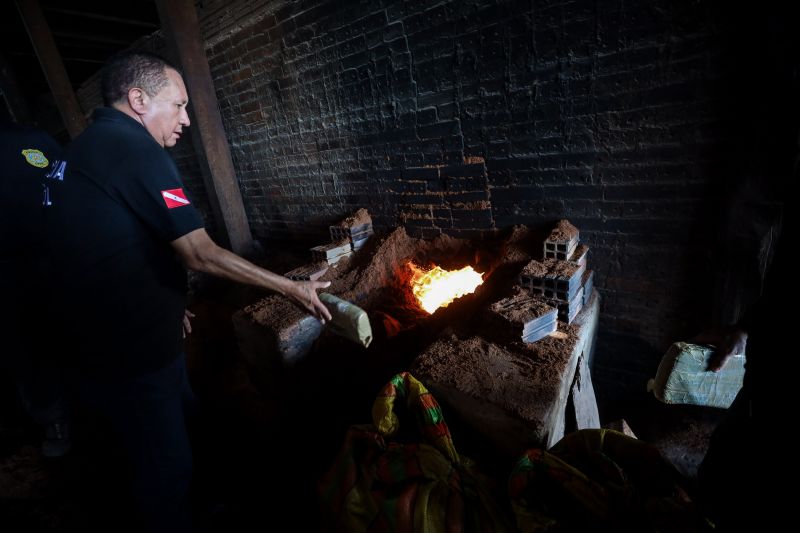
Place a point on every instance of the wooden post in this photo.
(179, 22)
(52, 66)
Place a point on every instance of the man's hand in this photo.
(304, 295)
(187, 325)
(728, 342)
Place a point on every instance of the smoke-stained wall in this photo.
(634, 120)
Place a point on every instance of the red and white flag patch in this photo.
(175, 198)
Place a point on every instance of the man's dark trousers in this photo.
(148, 413)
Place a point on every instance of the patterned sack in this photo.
(600, 480)
(378, 483)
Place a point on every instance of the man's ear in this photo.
(138, 100)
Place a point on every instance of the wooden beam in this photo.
(91, 38)
(104, 18)
(179, 21)
(65, 58)
(53, 67)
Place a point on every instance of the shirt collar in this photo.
(109, 114)
(115, 115)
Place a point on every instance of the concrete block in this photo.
(540, 332)
(331, 253)
(588, 285)
(528, 316)
(562, 241)
(310, 272)
(552, 278)
(568, 311)
(276, 344)
(580, 254)
(340, 233)
(359, 240)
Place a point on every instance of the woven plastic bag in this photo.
(378, 483)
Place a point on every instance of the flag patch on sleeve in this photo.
(175, 198)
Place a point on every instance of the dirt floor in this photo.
(258, 452)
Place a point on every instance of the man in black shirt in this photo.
(121, 233)
(30, 167)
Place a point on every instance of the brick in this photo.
(512, 194)
(512, 163)
(467, 197)
(436, 131)
(472, 223)
(471, 170)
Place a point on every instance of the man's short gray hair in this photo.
(133, 68)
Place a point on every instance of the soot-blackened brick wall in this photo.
(469, 116)
(631, 119)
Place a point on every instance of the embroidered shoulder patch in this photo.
(35, 157)
(174, 198)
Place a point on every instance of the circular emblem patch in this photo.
(35, 158)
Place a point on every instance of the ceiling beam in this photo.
(179, 21)
(105, 18)
(63, 58)
(53, 66)
(91, 38)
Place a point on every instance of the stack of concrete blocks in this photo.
(555, 288)
(346, 238)
(530, 318)
(562, 278)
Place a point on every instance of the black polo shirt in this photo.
(29, 161)
(27, 156)
(120, 287)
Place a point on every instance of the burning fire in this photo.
(437, 287)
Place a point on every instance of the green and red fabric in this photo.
(379, 484)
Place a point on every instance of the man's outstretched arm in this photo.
(200, 253)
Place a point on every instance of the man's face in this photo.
(166, 113)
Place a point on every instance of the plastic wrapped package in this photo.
(682, 377)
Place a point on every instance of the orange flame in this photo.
(437, 287)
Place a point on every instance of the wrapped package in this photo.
(682, 377)
(348, 320)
